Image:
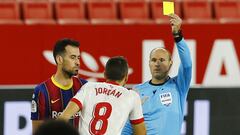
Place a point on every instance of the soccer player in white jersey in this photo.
(105, 107)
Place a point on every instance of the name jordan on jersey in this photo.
(108, 92)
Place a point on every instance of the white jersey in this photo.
(105, 108)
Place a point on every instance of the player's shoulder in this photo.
(42, 85)
(77, 79)
(133, 95)
(133, 92)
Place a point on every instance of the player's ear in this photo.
(59, 59)
(126, 78)
(171, 62)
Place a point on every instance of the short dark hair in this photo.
(56, 127)
(116, 68)
(61, 44)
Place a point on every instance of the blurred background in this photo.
(131, 28)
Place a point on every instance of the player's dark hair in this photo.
(116, 68)
(56, 127)
(61, 44)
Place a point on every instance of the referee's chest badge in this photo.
(166, 98)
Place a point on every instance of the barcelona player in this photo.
(52, 96)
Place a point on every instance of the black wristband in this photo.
(178, 36)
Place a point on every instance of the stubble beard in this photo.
(68, 73)
(161, 76)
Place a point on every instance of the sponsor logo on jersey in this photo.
(54, 101)
(166, 98)
(56, 114)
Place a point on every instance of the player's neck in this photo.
(120, 83)
(62, 79)
(161, 81)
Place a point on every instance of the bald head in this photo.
(161, 51)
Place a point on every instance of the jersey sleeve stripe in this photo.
(77, 102)
(47, 98)
(137, 121)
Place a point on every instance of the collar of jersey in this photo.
(159, 84)
(112, 82)
(60, 85)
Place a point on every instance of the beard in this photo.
(69, 73)
(161, 76)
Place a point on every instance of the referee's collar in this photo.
(159, 84)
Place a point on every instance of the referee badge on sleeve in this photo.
(166, 98)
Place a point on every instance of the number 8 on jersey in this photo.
(99, 123)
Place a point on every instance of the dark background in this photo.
(224, 108)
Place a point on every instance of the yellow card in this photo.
(168, 7)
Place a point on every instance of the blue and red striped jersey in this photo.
(50, 98)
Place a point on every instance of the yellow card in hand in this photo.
(168, 7)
